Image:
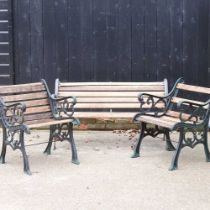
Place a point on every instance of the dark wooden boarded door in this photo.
(6, 57)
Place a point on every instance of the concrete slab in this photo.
(107, 177)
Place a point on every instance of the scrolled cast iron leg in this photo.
(49, 145)
(25, 157)
(169, 145)
(73, 146)
(174, 163)
(141, 136)
(4, 146)
(206, 149)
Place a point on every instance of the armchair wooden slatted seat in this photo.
(105, 100)
(189, 117)
(27, 106)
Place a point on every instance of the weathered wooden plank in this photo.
(61, 30)
(74, 38)
(49, 52)
(104, 115)
(48, 122)
(32, 110)
(124, 40)
(23, 88)
(106, 94)
(163, 38)
(150, 40)
(138, 40)
(107, 100)
(3, 4)
(22, 41)
(111, 83)
(89, 106)
(87, 40)
(113, 65)
(193, 88)
(37, 36)
(112, 88)
(24, 97)
(176, 50)
(157, 121)
(31, 117)
(35, 103)
(178, 100)
(100, 40)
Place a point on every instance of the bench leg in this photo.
(49, 145)
(73, 146)
(174, 163)
(206, 149)
(25, 157)
(141, 136)
(169, 145)
(4, 146)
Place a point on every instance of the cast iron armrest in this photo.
(155, 106)
(63, 107)
(198, 112)
(12, 116)
(152, 105)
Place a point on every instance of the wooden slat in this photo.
(175, 114)
(111, 106)
(178, 99)
(23, 88)
(23, 97)
(111, 83)
(157, 121)
(112, 88)
(36, 116)
(192, 88)
(105, 94)
(107, 100)
(39, 109)
(34, 103)
(47, 122)
(104, 115)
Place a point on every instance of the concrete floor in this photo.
(106, 179)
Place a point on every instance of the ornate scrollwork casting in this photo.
(61, 132)
(64, 107)
(12, 116)
(61, 107)
(192, 137)
(153, 131)
(154, 104)
(198, 113)
(13, 139)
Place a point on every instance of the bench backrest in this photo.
(192, 94)
(108, 96)
(34, 95)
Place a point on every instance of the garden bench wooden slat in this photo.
(189, 117)
(106, 94)
(192, 88)
(27, 106)
(112, 88)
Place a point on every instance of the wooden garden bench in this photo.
(105, 100)
(180, 113)
(27, 106)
